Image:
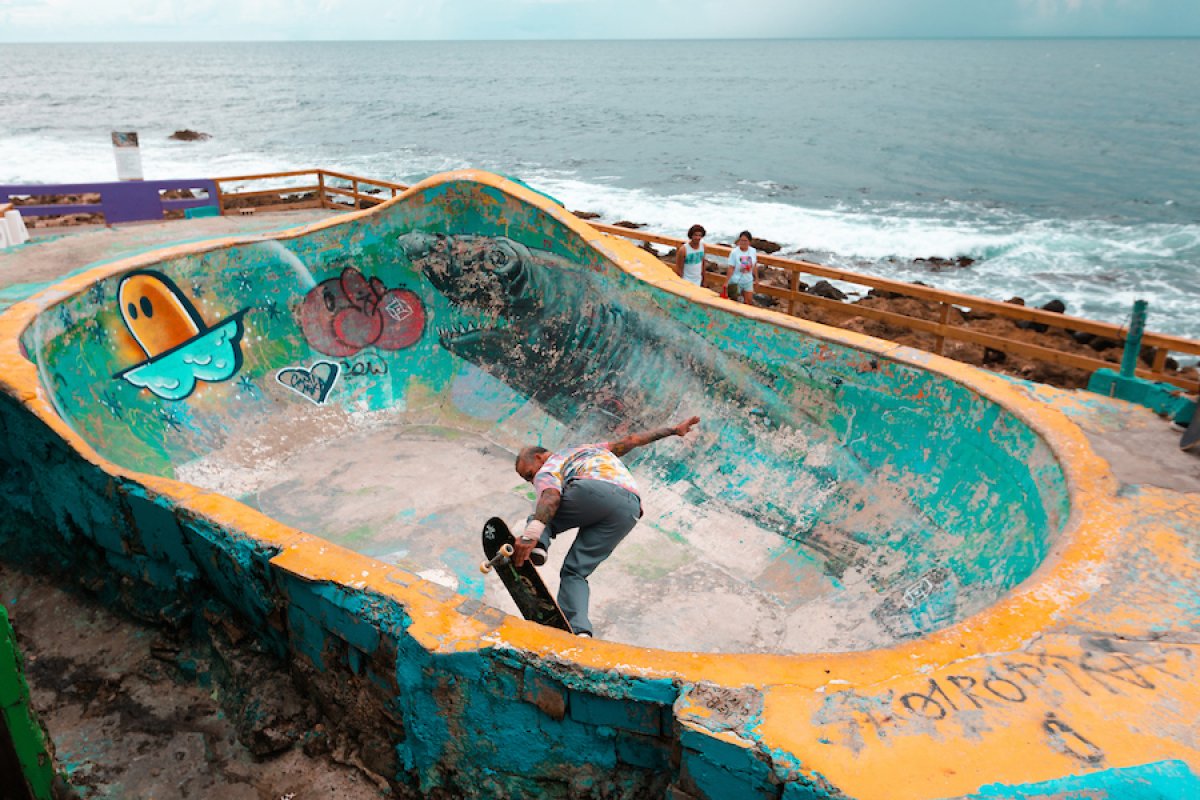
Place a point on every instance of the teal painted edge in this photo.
(37, 766)
(1161, 780)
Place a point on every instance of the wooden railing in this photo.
(942, 328)
(323, 189)
(320, 191)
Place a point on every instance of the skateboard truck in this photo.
(506, 551)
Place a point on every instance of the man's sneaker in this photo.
(584, 634)
(538, 556)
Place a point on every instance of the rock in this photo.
(627, 224)
(649, 248)
(991, 356)
(188, 135)
(765, 245)
(765, 300)
(586, 214)
(1015, 301)
(937, 264)
(1100, 343)
(1054, 306)
(827, 289)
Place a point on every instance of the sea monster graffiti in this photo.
(180, 348)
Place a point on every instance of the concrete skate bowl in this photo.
(306, 432)
(369, 382)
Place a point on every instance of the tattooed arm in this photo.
(547, 506)
(623, 446)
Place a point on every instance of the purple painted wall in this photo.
(123, 201)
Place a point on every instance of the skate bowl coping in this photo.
(936, 504)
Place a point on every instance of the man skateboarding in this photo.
(586, 488)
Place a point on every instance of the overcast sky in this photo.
(189, 20)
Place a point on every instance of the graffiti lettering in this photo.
(1067, 740)
(1044, 676)
(364, 367)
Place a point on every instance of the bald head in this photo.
(530, 460)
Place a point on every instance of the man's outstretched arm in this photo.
(623, 446)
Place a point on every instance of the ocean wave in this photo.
(1098, 267)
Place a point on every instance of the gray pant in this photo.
(604, 514)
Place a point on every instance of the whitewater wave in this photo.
(1097, 267)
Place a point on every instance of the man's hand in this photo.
(682, 428)
(623, 446)
(526, 541)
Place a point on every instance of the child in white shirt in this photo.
(743, 270)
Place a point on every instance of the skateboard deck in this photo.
(524, 583)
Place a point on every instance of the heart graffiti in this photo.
(315, 383)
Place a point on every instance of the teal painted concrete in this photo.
(943, 498)
(1166, 780)
(982, 496)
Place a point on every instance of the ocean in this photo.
(1066, 169)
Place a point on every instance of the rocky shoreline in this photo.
(1088, 345)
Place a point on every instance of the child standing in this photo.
(689, 259)
(743, 270)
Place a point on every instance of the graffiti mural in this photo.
(180, 348)
(313, 383)
(341, 316)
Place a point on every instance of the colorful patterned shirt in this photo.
(594, 462)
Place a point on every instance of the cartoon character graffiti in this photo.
(180, 348)
(343, 315)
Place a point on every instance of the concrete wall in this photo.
(443, 693)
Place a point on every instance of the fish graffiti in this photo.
(180, 348)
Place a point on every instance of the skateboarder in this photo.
(586, 488)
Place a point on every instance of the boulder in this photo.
(1054, 306)
(627, 224)
(765, 245)
(188, 135)
(827, 289)
(586, 214)
(937, 264)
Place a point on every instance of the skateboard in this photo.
(523, 583)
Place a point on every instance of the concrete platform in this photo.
(1000, 579)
